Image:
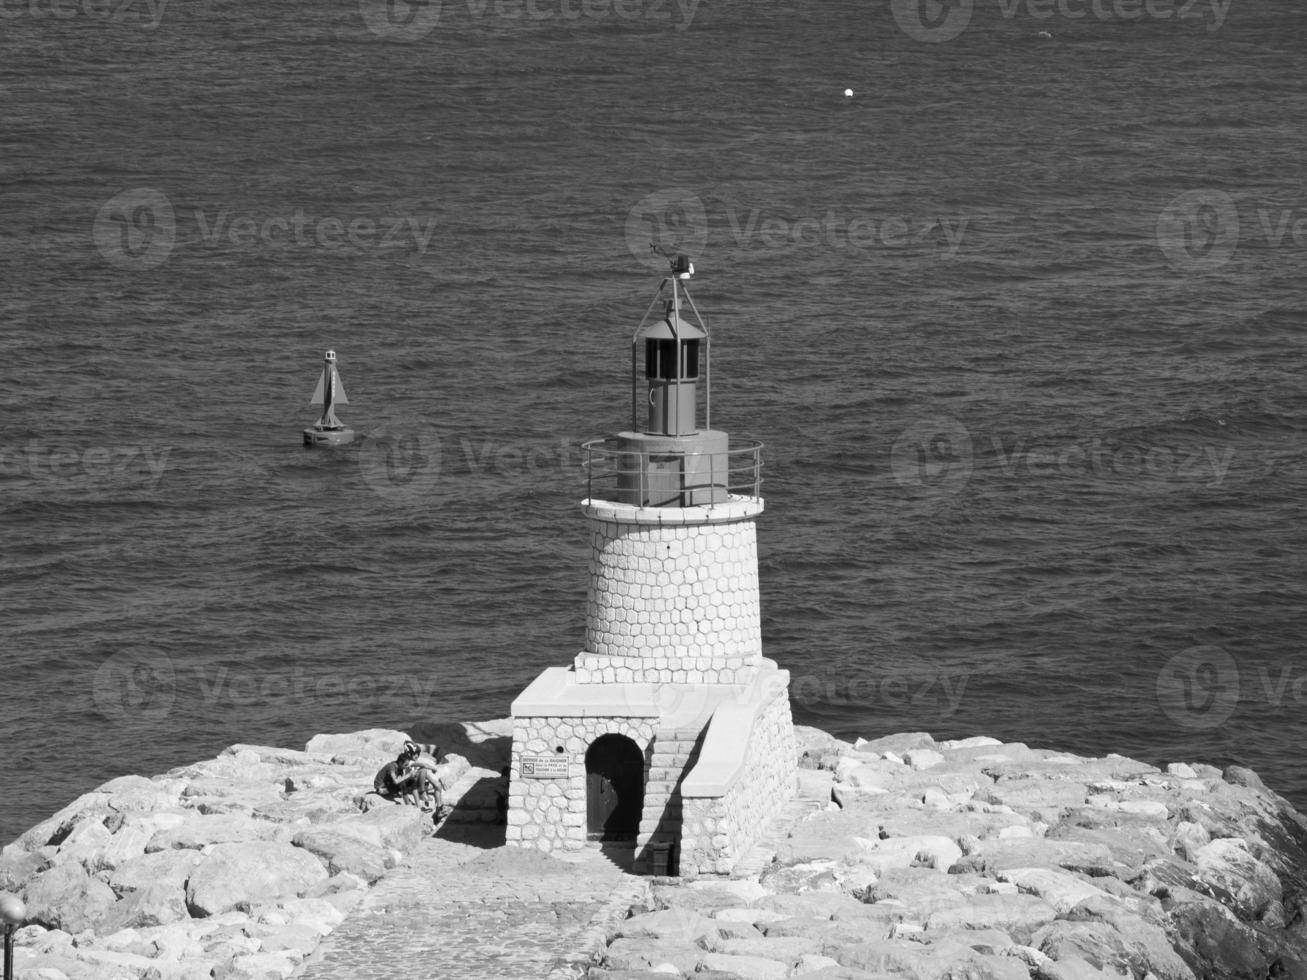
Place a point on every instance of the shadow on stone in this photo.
(477, 817)
(620, 853)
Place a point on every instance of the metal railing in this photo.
(622, 474)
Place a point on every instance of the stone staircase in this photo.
(675, 750)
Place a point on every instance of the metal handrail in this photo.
(608, 461)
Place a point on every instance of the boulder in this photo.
(1059, 889)
(66, 897)
(753, 967)
(157, 903)
(344, 853)
(1017, 915)
(235, 875)
(161, 866)
(675, 925)
(898, 744)
(1225, 863)
(390, 826)
(18, 867)
(991, 856)
(926, 851)
(201, 830)
(646, 954)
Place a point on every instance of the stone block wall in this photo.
(672, 602)
(550, 814)
(717, 831)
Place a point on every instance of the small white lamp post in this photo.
(12, 913)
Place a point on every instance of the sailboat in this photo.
(330, 392)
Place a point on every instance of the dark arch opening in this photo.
(614, 788)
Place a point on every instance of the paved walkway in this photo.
(465, 908)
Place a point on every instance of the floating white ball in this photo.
(848, 93)
(12, 909)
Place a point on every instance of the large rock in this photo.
(925, 850)
(174, 867)
(1059, 889)
(1017, 915)
(18, 867)
(233, 876)
(1226, 864)
(990, 856)
(66, 897)
(390, 826)
(343, 852)
(677, 925)
(157, 903)
(202, 830)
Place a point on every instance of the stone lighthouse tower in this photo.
(670, 732)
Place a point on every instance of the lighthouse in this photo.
(670, 732)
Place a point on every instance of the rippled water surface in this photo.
(1021, 323)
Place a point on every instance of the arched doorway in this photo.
(614, 788)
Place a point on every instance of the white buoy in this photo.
(848, 93)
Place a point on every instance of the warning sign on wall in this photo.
(545, 767)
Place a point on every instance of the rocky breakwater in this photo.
(231, 868)
(979, 860)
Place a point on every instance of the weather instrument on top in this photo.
(330, 392)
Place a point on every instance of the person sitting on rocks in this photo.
(422, 762)
(397, 781)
